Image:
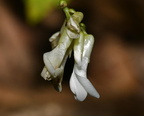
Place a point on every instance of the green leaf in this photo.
(37, 9)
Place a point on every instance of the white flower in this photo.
(71, 37)
(61, 43)
(79, 83)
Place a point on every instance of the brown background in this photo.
(116, 68)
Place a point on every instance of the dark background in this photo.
(116, 68)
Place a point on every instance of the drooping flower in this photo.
(71, 37)
(79, 83)
(61, 42)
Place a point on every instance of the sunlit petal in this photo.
(57, 82)
(77, 88)
(78, 48)
(88, 86)
(45, 74)
(73, 22)
(82, 79)
(88, 45)
(54, 39)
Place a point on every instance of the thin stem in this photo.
(67, 11)
(62, 3)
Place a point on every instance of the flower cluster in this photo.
(71, 37)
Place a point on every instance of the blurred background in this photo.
(116, 68)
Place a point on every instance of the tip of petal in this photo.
(45, 74)
(58, 87)
(77, 88)
(81, 99)
(56, 82)
(96, 94)
(88, 86)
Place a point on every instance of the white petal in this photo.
(78, 48)
(54, 58)
(72, 35)
(73, 25)
(54, 39)
(88, 86)
(88, 45)
(79, 70)
(58, 80)
(77, 88)
(45, 74)
(54, 36)
(48, 63)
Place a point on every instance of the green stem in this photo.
(62, 3)
(67, 13)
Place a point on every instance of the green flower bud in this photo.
(62, 3)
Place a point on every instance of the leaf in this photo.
(37, 9)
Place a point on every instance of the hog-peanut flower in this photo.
(79, 83)
(61, 42)
(71, 37)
